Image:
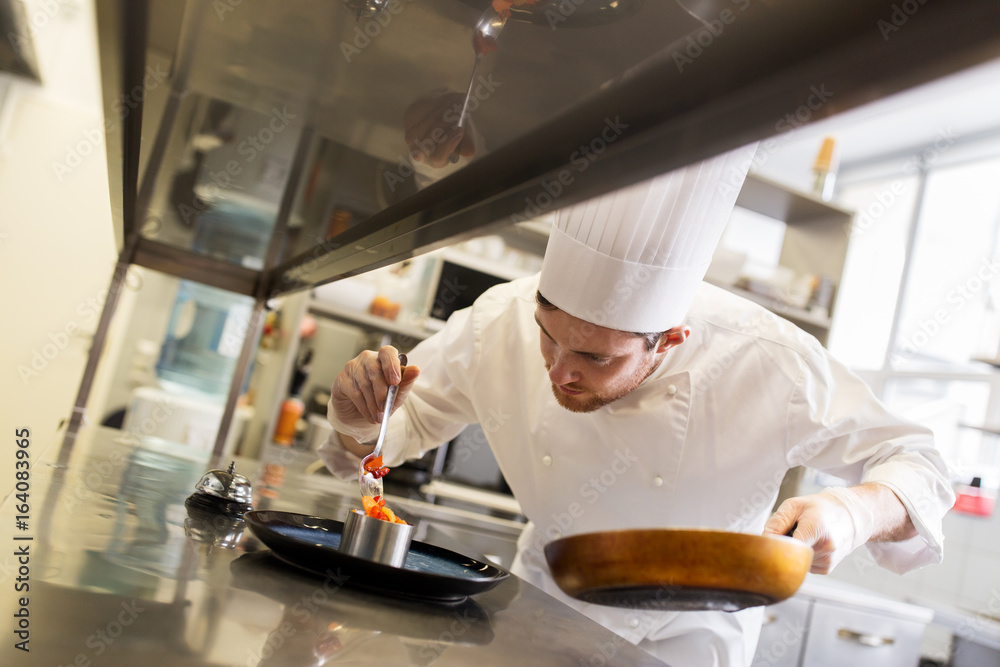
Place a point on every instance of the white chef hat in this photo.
(632, 259)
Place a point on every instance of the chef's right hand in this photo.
(357, 399)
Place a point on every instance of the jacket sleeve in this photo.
(835, 424)
(437, 408)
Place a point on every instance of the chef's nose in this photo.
(561, 371)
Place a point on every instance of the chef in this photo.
(617, 390)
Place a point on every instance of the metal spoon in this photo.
(370, 486)
(485, 34)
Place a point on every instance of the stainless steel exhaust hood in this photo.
(580, 97)
(264, 146)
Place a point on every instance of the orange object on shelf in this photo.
(288, 419)
(824, 160)
(382, 306)
(293, 407)
(825, 170)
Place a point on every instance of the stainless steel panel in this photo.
(210, 271)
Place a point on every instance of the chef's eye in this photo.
(599, 360)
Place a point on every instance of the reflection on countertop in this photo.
(121, 574)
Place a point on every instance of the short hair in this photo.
(652, 338)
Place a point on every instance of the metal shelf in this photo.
(798, 315)
(368, 321)
(778, 201)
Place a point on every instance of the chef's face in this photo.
(591, 366)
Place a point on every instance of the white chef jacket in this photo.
(703, 442)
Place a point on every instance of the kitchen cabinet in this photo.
(843, 634)
(783, 633)
(828, 624)
(259, 146)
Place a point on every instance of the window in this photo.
(920, 302)
(876, 258)
(949, 408)
(947, 298)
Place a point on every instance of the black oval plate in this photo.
(430, 572)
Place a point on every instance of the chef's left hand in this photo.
(833, 522)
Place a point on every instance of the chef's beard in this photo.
(590, 401)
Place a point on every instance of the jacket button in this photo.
(634, 622)
(671, 390)
(657, 481)
(546, 460)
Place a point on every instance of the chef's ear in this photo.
(673, 337)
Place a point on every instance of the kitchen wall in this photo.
(57, 249)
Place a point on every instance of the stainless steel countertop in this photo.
(115, 579)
